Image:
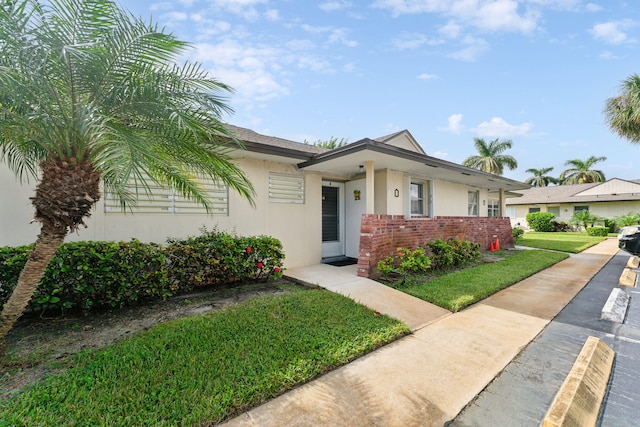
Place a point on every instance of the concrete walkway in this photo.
(427, 378)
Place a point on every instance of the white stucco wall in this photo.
(296, 225)
(452, 199)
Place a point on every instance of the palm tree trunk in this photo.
(45, 248)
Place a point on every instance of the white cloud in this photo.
(592, 7)
(613, 32)
(335, 35)
(440, 154)
(243, 8)
(250, 70)
(497, 127)
(454, 124)
(475, 47)
(330, 6)
(451, 30)
(425, 76)
(608, 55)
(272, 15)
(410, 41)
(489, 15)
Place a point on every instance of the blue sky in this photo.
(537, 72)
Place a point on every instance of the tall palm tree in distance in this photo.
(539, 178)
(580, 171)
(90, 94)
(490, 158)
(622, 112)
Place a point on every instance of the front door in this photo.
(332, 219)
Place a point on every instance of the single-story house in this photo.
(362, 200)
(608, 199)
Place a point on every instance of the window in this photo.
(554, 210)
(417, 198)
(580, 208)
(493, 207)
(474, 196)
(286, 188)
(534, 210)
(511, 212)
(167, 200)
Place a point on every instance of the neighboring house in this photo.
(609, 199)
(363, 200)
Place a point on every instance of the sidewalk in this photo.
(427, 378)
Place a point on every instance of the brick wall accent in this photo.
(382, 235)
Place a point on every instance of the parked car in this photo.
(629, 239)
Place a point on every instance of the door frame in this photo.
(336, 248)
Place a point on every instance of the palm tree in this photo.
(622, 112)
(539, 179)
(490, 158)
(91, 94)
(580, 171)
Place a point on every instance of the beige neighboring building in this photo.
(314, 200)
(608, 199)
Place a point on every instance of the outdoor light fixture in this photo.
(361, 168)
(396, 192)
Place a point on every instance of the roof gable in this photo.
(613, 190)
(612, 187)
(402, 139)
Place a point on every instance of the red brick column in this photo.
(382, 235)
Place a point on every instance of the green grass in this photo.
(201, 370)
(563, 242)
(460, 289)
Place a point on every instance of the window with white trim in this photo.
(511, 211)
(162, 200)
(493, 207)
(580, 208)
(417, 198)
(286, 188)
(474, 196)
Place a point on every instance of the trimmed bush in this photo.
(93, 274)
(598, 231)
(560, 226)
(452, 253)
(215, 257)
(540, 221)
(404, 262)
(611, 225)
(517, 233)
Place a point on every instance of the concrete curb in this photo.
(628, 278)
(633, 262)
(579, 400)
(615, 309)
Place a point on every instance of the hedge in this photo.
(97, 274)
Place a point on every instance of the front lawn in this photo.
(203, 369)
(457, 290)
(564, 242)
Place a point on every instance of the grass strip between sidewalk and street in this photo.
(203, 369)
(460, 289)
(564, 242)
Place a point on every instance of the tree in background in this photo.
(329, 144)
(490, 158)
(91, 94)
(622, 112)
(539, 178)
(580, 171)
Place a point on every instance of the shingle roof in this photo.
(567, 194)
(247, 135)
